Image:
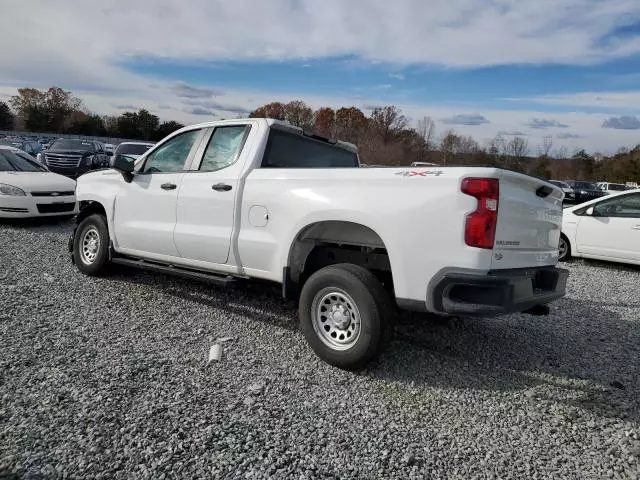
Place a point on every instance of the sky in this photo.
(564, 69)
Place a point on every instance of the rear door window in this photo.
(224, 147)
(291, 150)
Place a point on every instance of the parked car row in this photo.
(582, 191)
(73, 157)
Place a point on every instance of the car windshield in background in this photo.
(291, 150)
(70, 144)
(617, 187)
(11, 162)
(132, 149)
(559, 184)
(584, 185)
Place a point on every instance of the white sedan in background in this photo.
(607, 228)
(29, 189)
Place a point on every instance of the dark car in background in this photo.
(584, 191)
(73, 157)
(33, 148)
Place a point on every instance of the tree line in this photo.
(383, 137)
(59, 111)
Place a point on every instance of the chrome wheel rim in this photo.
(336, 319)
(89, 246)
(562, 249)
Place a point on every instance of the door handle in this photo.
(221, 187)
(168, 186)
(637, 227)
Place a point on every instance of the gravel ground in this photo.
(108, 378)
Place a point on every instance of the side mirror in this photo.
(124, 165)
(589, 211)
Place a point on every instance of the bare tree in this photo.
(387, 122)
(449, 145)
(562, 153)
(467, 145)
(426, 130)
(517, 149)
(545, 148)
(424, 133)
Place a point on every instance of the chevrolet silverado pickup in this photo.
(261, 199)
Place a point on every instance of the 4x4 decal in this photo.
(420, 173)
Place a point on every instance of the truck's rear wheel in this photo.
(91, 245)
(564, 249)
(345, 315)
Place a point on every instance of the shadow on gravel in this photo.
(583, 348)
(249, 299)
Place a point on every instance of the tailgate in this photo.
(529, 222)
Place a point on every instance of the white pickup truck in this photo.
(260, 199)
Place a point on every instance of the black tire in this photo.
(372, 304)
(98, 266)
(563, 257)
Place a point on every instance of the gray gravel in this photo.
(108, 378)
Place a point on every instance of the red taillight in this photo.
(480, 228)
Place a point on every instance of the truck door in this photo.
(206, 201)
(145, 208)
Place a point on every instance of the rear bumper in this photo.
(498, 292)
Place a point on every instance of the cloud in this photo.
(568, 136)
(404, 32)
(184, 90)
(465, 119)
(620, 100)
(126, 107)
(623, 122)
(397, 76)
(164, 106)
(213, 105)
(201, 111)
(544, 123)
(512, 133)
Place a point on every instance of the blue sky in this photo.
(494, 87)
(565, 69)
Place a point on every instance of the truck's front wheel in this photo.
(345, 315)
(91, 245)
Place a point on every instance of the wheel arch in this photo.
(89, 207)
(336, 241)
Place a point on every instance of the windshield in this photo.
(132, 149)
(584, 185)
(70, 144)
(11, 162)
(617, 187)
(559, 184)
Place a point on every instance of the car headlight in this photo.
(11, 190)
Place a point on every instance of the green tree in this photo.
(45, 111)
(7, 118)
(91, 125)
(166, 128)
